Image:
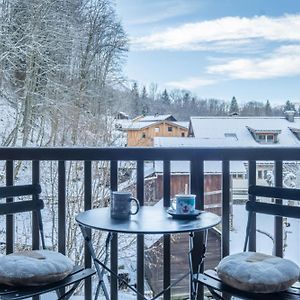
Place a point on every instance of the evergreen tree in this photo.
(165, 98)
(268, 109)
(234, 107)
(136, 105)
(144, 99)
(289, 106)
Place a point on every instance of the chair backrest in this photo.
(274, 209)
(35, 205)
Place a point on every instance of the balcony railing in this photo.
(196, 156)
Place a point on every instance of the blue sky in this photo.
(215, 48)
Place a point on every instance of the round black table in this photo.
(149, 220)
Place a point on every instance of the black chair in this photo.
(63, 288)
(220, 290)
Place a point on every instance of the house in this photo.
(142, 130)
(122, 116)
(238, 131)
(247, 132)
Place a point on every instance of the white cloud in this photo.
(285, 61)
(225, 32)
(190, 83)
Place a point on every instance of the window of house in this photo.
(143, 135)
(182, 134)
(265, 174)
(156, 129)
(170, 129)
(240, 176)
(259, 174)
(266, 138)
(261, 137)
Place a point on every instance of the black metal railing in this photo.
(196, 156)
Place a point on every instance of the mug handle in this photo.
(137, 205)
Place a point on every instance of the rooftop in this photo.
(223, 129)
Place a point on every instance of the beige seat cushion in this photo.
(33, 268)
(257, 272)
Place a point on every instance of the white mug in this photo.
(185, 204)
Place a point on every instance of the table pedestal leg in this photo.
(193, 284)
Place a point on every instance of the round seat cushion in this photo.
(33, 268)
(257, 272)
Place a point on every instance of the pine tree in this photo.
(136, 105)
(268, 109)
(144, 99)
(289, 106)
(165, 98)
(234, 107)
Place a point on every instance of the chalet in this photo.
(142, 130)
(247, 132)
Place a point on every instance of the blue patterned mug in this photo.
(185, 204)
(120, 206)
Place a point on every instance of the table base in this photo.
(101, 267)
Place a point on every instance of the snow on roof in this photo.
(137, 125)
(155, 118)
(193, 142)
(218, 128)
(210, 167)
(182, 124)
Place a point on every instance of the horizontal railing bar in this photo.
(205, 153)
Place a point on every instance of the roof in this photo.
(140, 125)
(156, 118)
(192, 142)
(210, 167)
(234, 131)
(214, 167)
(182, 124)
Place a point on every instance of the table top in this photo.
(149, 220)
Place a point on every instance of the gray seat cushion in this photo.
(33, 268)
(257, 272)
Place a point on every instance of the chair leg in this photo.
(70, 292)
(97, 290)
(215, 294)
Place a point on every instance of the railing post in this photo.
(225, 207)
(62, 207)
(10, 221)
(252, 181)
(114, 240)
(197, 188)
(140, 237)
(87, 206)
(35, 225)
(278, 230)
(167, 241)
